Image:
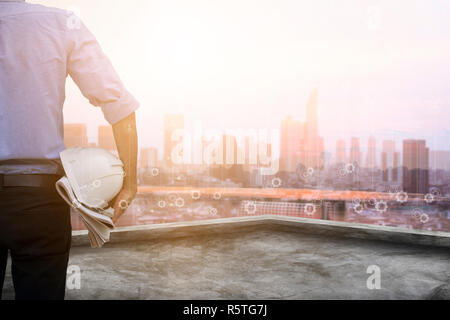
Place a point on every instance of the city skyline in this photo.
(375, 74)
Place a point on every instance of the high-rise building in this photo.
(371, 159)
(229, 168)
(415, 166)
(106, 138)
(291, 137)
(75, 135)
(440, 160)
(341, 152)
(300, 143)
(313, 145)
(390, 162)
(172, 124)
(148, 158)
(355, 151)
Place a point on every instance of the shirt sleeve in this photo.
(94, 74)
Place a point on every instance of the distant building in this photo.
(172, 124)
(371, 158)
(148, 158)
(390, 163)
(341, 152)
(106, 138)
(313, 145)
(355, 151)
(75, 135)
(229, 168)
(415, 166)
(291, 137)
(300, 143)
(440, 160)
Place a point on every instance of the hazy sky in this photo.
(382, 67)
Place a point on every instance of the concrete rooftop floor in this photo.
(258, 263)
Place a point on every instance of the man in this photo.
(39, 47)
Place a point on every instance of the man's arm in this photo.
(127, 144)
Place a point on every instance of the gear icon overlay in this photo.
(217, 196)
(401, 197)
(309, 209)
(155, 172)
(179, 202)
(213, 211)
(349, 168)
(381, 206)
(196, 194)
(276, 182)
(162, 204)
(358, 208)
(429, 198)
(250, 207)
(424, 218)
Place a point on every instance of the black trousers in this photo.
(35, 228)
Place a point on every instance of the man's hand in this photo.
(122, 202)
(126, 140)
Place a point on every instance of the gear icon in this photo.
(381, 206)
(276, 182)
(196, 194)
(179, 202)
(123, 204)
(349, 168)
(213, 211)
(424, 218)
(401, 197)
(309, 209)
(217, 196)
(435, 192)
(162, 204)
(155, 172)
(358, 208)
(250, 207)
(310, 171)
(429, 198)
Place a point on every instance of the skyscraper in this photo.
(415, 166)
(229, 168)
(172, 124)
(291, 136)
(106, 138)
(75, 135)
(390, 162)
(313, 145)
(371, 159)
(355, 151)
(300, 143)
(341, 152)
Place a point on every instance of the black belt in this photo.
(28, 180)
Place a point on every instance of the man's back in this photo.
(39, 47)
(32, 79)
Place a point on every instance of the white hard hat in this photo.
(95, 175)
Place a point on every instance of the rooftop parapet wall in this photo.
(290, 224)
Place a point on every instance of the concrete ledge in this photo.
(290, 224)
